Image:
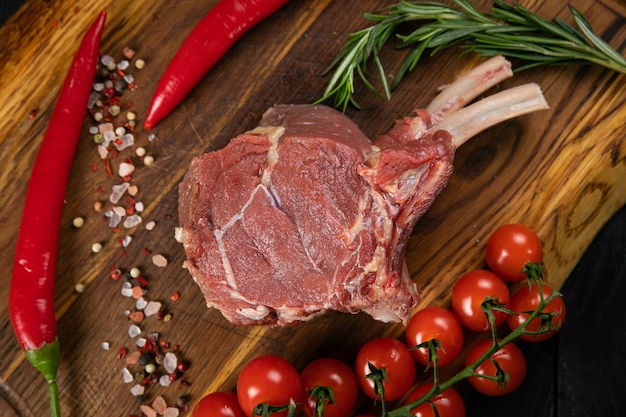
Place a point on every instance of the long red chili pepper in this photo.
(220, 28)
(31, 296)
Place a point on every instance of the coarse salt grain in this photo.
(137, 390)
(108, 137)
(109, 214)
(136, 316)
(117, 191)
(125, 169)
(152, 308)
(133, 358)
(114, 218)
(133, 190)
(147, 410)
(159, 404)
(170, 362)
(127, 377)
(103, 152)
(165, 380)
(132, 221)
(126, 241)
(141, 303)
(128, 52)
(134, 330)
(119, 210)
(106, 127)
(150, 225)
(123, 64)
(137, 292)
(159, 260)
(105, 345)
(127, 290)
(127, 140)
(139, 206)
(171, 412)
(107, 60)
(141, 342)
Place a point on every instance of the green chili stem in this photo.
(55, 406)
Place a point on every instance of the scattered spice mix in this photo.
(152, 360)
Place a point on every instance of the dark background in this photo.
(581, 371)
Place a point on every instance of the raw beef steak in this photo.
(304, 214)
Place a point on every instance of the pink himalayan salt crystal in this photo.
(148, 411)
(159, 404)
(159, 260)
(133, 358)
(136, 316)
(171, 412)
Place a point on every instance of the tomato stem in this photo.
(470, 370)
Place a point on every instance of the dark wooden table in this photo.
(579, 372)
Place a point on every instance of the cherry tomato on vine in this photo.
(333, 373)
(435, 323)
(268, 380)
(525, 301)
(218, 404)
(510, 359)
(393, 356)
(449, 402)
(468, 294)
(509, 248)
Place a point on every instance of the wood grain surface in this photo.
(561, 171)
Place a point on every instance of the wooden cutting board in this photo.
(561, 172)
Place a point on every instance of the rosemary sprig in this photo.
(509, 30)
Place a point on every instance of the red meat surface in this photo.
(305, 214)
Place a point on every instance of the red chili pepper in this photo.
(220, 28)
(31, 295)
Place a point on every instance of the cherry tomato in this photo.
(333, 373)
(435, 323)
(218, 404)
(468, 294)
(510, 359)
(268, 380)
(449, 403)
(525, 301)
(393, 356)
(509, 248)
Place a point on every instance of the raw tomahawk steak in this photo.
(304, 214)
